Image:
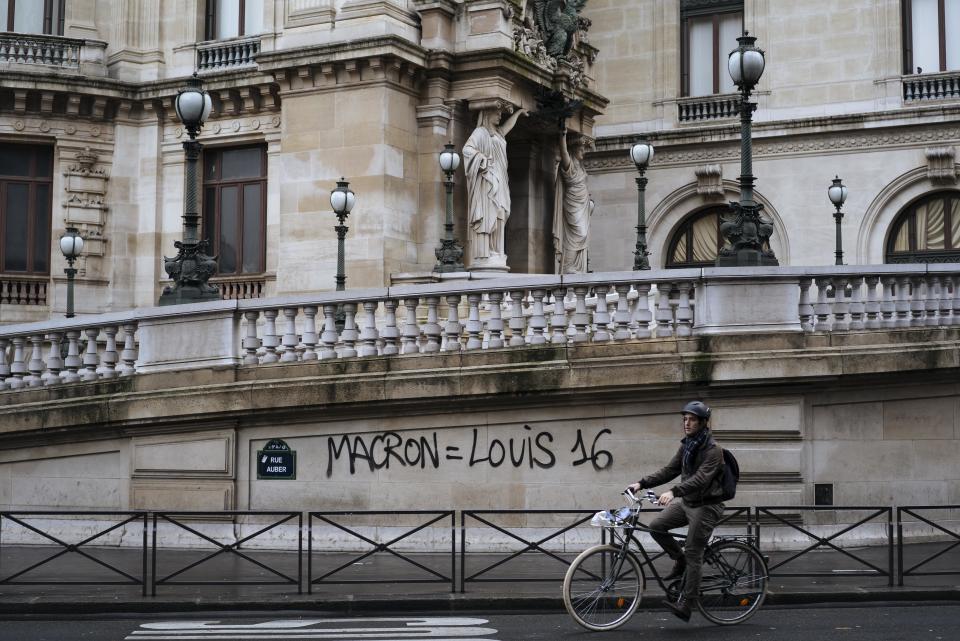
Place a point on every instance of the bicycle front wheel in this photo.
(734, 582)
(603, 587)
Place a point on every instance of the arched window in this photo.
(927, 231)
(697, 241)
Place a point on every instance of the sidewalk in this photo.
(538, 590)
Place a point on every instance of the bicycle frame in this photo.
(628, 535)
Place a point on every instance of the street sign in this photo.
(276, 461)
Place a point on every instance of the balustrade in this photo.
(40, 50)
(225, 54)
(510, 313)
(931, 86)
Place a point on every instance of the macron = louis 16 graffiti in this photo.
(372, 452)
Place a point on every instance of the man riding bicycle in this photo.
(699, 464)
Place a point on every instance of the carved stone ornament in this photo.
(709, 180)
(548, 33)
(941, 166)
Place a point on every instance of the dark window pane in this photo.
(229, 227)
(15, 241)
(44, 162)
(252, 229)
(208, 232)
(210, 161)
(41, 229)
(14, 160)
(242, 163)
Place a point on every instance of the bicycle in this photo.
(732, 588)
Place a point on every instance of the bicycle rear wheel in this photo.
(734, 582)
(603, 587)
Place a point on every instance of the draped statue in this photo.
(488, 188)
(572, 209)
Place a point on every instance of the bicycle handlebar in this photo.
(649, 496)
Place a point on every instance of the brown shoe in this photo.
(681, 608)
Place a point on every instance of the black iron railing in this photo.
(22, 519)
(953, 540)
(828, 542)
(426, 573)
(177, 519)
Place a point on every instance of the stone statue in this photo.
(488, 187)
(572, 209)
(558, 21)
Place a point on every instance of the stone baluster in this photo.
(558, 318)
(621, 316)
(270, 338)
(872, 307)
(946, 301)
(390, 333)
(538, 319)
(580, 319)
(856, 306)
(932, 302)
(72, 362)
(840, 305)
(888, 303)
(4, 364)
(432, 328)
(349, 335)
(821, 308)
(109, 358)
(290, 339)
(411, 329)
(917, 305)
(91, 359)
(495, 322)
(368, 331)
(684, 311)
(903, 301)
(250, 342)
(328, 338)
(601, 315)
(474, 324)
(642, 314)
(664, 328)
(805, 308)
(517, 324)
(54, 360)
(128, 356)
(310, 332)
(18, 367)
(35, 365)
(453, 327)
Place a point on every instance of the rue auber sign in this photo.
(276, 461)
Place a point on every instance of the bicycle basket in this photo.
(611, 518)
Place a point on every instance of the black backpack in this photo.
(729, 476)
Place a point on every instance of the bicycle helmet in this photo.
(696, 408)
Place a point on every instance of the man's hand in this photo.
(665, 498)
(634, 487)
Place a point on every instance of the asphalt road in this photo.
(878, 622)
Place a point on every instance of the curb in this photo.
(434, 603)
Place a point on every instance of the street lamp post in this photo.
(641, 154)
(192, 267)
(71, 244)
(449, 253)
(747, 234)
(837, 192)
(342, 200)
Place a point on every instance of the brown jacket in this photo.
(703, 486)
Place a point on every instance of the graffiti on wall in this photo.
(534, 450)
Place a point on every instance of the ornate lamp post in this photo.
(449, 253)
(641, 154)
(191, 267)
(71, 244)
(342, 200)
(837, 193)
(747, 233)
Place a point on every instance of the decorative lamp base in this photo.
(747, 258)
(187, 294)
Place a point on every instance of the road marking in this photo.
(380, 629)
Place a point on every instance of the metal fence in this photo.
(524, 551)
